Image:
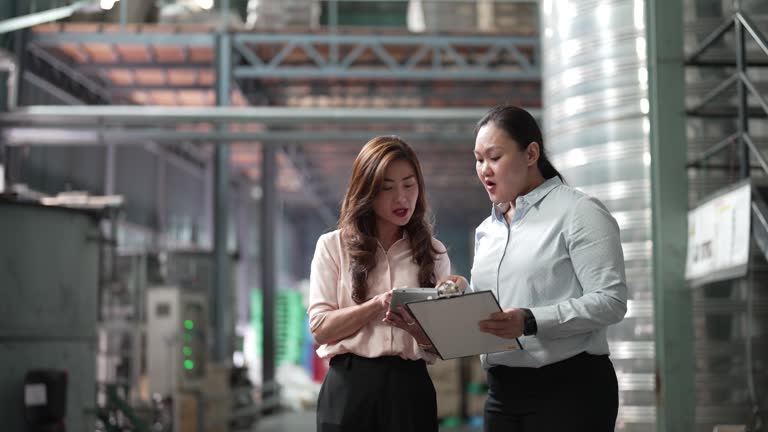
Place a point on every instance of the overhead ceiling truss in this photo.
(339, 56)
(112, 58)
(381, 57)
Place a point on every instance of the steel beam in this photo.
(19, 44)
(268, 207)
(161, 200)
(110, 169)
(714, 149)
(6, 94)
(96, 67)
(756, 152)
(39, 136)
(150, 114)
(180, 39)
(121, 89)
(742, 120)
(73, 74)
(761, 100)
(714, 93)
(722, 63)
(322, 60)
(8, 64)
(52, 90)
(673, 312)
(31, 20)
(752, 28)
(382, 73)
(398, 40)
(385, 63)
(710, 40)
(224, 327)
(123, 14)
(193, 39)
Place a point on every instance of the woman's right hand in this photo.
(403, 319)
(460, 281)
(381, 302)
(341, 323)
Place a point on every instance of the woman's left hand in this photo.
(508, 324)
(460, 281)
(402, 319)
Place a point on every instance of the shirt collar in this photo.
(531, 198)
(402, 238)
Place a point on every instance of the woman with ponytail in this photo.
(553, 258)
(378, 379)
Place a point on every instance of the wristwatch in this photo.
(529, 323)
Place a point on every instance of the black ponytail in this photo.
(520, 125)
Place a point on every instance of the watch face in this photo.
(529, 325)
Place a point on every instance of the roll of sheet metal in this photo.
(596, 132)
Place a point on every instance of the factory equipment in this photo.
(177, 345)
(48, 267)
(45, 400)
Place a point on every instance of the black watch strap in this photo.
(529, 323)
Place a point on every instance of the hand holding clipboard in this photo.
(451, 324)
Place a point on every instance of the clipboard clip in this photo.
(448, 289)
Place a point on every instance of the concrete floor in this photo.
(305, 422)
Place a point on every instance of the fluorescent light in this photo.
(205, 4)
(644, 106)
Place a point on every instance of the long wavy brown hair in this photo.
(358, 221)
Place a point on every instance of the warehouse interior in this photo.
(167, 166)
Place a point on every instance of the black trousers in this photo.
(384, 394)
(577, 394)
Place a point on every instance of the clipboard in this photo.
(451, 325)
(401, 296)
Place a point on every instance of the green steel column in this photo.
(669, 198)
(222, 345)
(19, 47)
(4, 76)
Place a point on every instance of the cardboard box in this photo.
(474, 371)
(446, 377)
(185, 418)
(448, 404)
(475, 404)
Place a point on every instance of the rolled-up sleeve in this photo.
(594, 246)
(323, 281)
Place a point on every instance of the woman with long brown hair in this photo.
(377, 380)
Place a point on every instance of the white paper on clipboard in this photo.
(452, 325)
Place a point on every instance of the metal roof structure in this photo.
(158, 82)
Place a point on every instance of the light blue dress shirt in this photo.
(561, 258)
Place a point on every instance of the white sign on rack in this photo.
(719, 235)
(35, 395)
